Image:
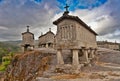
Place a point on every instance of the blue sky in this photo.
(15, 15)
(81, 4)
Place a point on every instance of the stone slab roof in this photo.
(47, 33)
(76, 18)
(27, 32)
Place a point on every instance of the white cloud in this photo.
(3, 28)
(16, 14)
(104, 20)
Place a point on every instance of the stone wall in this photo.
(28, 38)
(85, 36)
(109, 45)
(46, 40)
(70, 34)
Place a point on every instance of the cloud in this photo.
(15, 15)
(104, 19)
(3, 28)
(108, 24)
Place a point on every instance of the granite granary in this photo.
(73, 34)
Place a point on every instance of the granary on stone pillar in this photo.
(27, 40)
(47, 40)
(74, 34)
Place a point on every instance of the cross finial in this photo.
(66, 7)
(49, 29)
(28, 28)
(41, 33)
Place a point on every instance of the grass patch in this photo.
(2, 68)
(4, 65)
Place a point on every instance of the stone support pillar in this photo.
(75, 60)
(95, 52)
(89, 56)
(59, 57)
(32, 48)
(46, 45)
(85, 55)
(23, 49)
(53, 45)
(92, 51)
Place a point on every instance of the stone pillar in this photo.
(75, 60)
(92, 51)
(46, 45)
(85, 55)
(59, 57)
(89, 56)
(23, 49)
(95, 52)
(32, 47)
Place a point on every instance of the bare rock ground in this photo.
(40, 65)
(106, 67)
(109, 56)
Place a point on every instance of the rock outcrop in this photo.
(40, 65)
(26, 67)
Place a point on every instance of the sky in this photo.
(101, 15)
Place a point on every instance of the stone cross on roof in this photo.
(49, 29)
(28, 28)
(66, 7)
(66, 12)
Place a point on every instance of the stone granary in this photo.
(108, 45)
(73, 34)
(47, 40)
(27, 40)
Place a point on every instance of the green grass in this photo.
(4, 65)
(2, 68)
